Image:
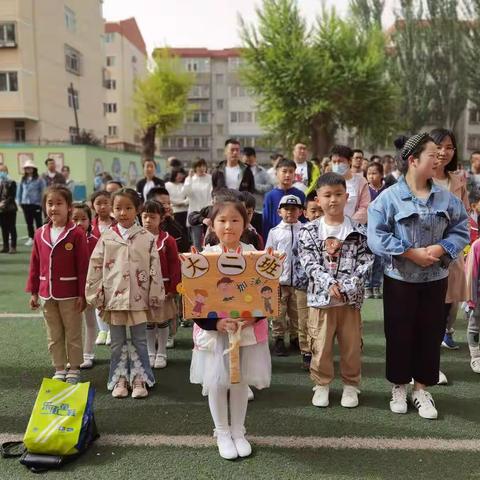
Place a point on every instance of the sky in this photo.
(202, 23)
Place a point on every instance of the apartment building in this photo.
(51, 70)
(125, 61)
(223, 108)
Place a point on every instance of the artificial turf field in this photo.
(176, 412)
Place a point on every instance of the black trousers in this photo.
(32, 213)
(414, 322)
(8, 222)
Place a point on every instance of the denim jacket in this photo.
(398, 221)
(30, 191)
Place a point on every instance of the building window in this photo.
(238, 91)
(109, 37)
(473, 142)
(19, 130)
(73, 132)
(8, 82)
(200, 91)
(112, 130)
(197, 64)
(70, 19)
(219, 77)
(73, 99)
(165, 142)
(7, 35)
(134, 59)
(73, 60)
(242, 117)
(474, 116)
(220, 104)
(180, 142)
(110, 107)
(220, 129)
(110, 61)
(234, 63)
(197, 117)
(111, 84)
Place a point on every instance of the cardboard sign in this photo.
(231, 284)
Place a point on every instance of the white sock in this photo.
(151, 339)
(102, 326)
(218, 403)
(162, 337)
(238, 408)
(90, 333)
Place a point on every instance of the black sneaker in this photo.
(294, 345)
(279, 349)
(306, 360)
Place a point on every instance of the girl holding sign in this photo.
(210, 365)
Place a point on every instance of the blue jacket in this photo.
(30, 191)
(271, 218)
(398, 221)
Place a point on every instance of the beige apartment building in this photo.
(125, 61)
(223, 108)
(51, 67)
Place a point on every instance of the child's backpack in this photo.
(60, 429)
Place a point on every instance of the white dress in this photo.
(210, 366)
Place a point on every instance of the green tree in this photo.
(310, 82)
(368, 12)
(471, 10)
(161, 99)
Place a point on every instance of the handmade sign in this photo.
(230, 284)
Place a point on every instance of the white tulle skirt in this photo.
(211, 367)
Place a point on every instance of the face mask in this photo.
(340, 168)
(3, 176)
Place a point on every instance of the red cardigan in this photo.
(59, 271)
(95, 228)
(169, 261)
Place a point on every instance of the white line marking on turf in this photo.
(20, 315)
(337, 443)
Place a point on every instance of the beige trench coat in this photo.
(123, 274)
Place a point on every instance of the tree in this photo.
(311, 82)
(471, 10)
(161, 99)
(368, 12)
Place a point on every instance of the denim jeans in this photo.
(376, 274)
(129, 360)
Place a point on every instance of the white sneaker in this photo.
(320, 397)
(442, 378)
(475, 364)
(29, 242)
(243, 447)
(251, 396)
(101, 338)
(225, 445)
(398, 403)
(349, 396)
(170, 342)
(160, 361)
(151, 359)
(423, 402)
(108, 340)
(87, 363)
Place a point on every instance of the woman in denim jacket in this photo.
(418, 228)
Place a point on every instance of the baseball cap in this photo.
(290, 201)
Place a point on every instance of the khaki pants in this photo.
(302, 308)
(324, 324)
(288, 305)
(64, 332)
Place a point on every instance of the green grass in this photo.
(175, 407)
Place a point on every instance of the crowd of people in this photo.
(396, 228)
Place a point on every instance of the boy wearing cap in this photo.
(285, 171)
(334, 253)
(284, 238)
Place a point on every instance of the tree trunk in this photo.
(148, 143)
(323, 137)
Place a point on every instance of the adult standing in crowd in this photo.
(232, 173)
(177, 195)
(70, 184)
(29, 197)
(198, 189)
(357, 161)
(149, 180)
(51, 176)
(263, 184)
(173, 164)
(8, 211)
(307, 173)
(473, 182)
